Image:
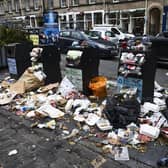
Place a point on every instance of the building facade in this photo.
(142, 16)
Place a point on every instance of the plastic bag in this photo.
(98, 86)
(122, 111)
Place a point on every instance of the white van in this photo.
(115, 30)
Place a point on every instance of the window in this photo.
(36, 4)
(75, 35)
(95, 34)
(109, 34)
(33, 21)
(27, 5)
(2, 8)
(75, 2)
(115, 31)
(9, 6)
(65, 34)
(115, 1)
(50, 4)
(92, 1)
(97, 18)
(63, 3)
(17, 6)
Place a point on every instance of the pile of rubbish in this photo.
(118, 121)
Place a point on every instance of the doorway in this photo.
(154, 21)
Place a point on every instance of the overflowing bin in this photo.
(82, 64)
(3, 61)
(160, 49)
(51, 63)
(18, 58)
(137, 70)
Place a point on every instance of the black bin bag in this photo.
(122, 111)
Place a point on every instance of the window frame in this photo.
(36, 4)
(17, 6)
(92, 1)
(2, 11)
(74, 3)
(63, 3)
(27, 5)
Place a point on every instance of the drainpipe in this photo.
(146, 15)
(104, 12)
(43, 6)
(68, 4)
(21, 9)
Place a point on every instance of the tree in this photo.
(9, 35)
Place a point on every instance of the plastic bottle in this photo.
(26, 108)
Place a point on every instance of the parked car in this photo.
(105, 34)
(163, 34)
(117, 31)
(69, 37)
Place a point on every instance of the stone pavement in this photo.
(43, 148)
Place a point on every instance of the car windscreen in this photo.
(79, 35)
(115, 31)
(94, 34)
(109, 34)
(84, 35)
(65, 34)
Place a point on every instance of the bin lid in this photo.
(74, 54)
(159, 39)
(11, 44)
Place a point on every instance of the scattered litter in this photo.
(92, 119)
(66, 87)
(151, 107)
(150, 131)
(80, 105)
(79, 118)
(69, 105)
(107, 149)
(12, 152)
(158, 87)
(113, 138)
(98, 162)
(48, 110)
(164, 132)
(31, 114)
(6, 98)
(121, 153)
(103, 124)
(119, 119)
(72, 134)
(51, 125)
(86, 128)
